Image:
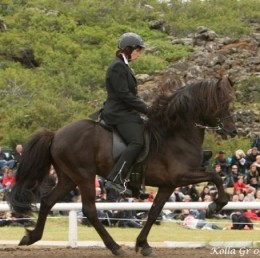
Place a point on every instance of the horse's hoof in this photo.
(147, 251)
(120, 253)
(25, 240)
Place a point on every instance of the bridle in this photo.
(219, 126)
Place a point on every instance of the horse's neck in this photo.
(192, 137)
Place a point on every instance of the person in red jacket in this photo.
(9, 179)
(240, 185)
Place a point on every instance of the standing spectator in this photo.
(256, 142)
(6, 161)
(239, 159)
(18, 154)
(221, 160)
(218, 170)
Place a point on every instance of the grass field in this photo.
(57, 229)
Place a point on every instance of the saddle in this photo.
(136, 173)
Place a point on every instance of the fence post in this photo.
(73, 229)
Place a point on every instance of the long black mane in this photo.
(195, 102)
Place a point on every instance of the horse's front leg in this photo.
(195, 177)
(221, 199)
(161, 198)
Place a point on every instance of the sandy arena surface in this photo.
(93, 252)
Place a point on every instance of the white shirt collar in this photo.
(125, 59)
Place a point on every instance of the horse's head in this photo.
(221, 117)
(226, 126)
(205, 104)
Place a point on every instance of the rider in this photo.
(122, 107)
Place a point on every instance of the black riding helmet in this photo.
(130, 39)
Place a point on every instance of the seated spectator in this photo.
(257, 199)
(241, 197)
(9, 179)
(240, 185)
(191, 191)
(111, 194)
(235, 198)
(257, 195)
(205, 191)
(254, 183)
(249, 197)
(127, 218)
(240, 221)
(8, 182)
(238, 158)
(232, 177)
(177, 196)
(221, 160)
(252, 172)
(251, 156)
(257, 163)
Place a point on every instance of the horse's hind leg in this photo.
(88, 196)
(64, 186)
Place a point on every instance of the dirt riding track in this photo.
(97, 252)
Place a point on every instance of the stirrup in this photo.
(121, 189)
(125, 186)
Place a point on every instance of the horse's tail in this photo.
(33, 168)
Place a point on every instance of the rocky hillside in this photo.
(214, 56)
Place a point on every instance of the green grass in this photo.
(57, 229)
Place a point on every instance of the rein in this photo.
(220, 125)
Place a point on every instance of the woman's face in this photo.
(135, 54)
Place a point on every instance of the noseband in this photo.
(219, 126)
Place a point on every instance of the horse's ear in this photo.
(226, 80)
(230, 79)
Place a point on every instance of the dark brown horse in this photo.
(177, 124)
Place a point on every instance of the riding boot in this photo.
(116, 180)
(115, 175)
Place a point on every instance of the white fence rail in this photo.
(74, 207)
